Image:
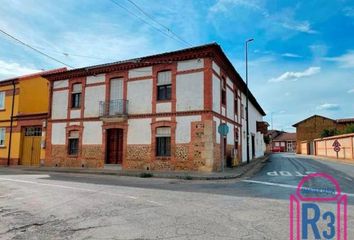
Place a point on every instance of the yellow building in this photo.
(24, 105)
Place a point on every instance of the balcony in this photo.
(114, 110)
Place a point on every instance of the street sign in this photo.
(223, 129)
(336, 146)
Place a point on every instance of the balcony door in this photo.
(116, 103)
(114, 149)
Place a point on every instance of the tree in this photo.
(349, 129)
(329, 132)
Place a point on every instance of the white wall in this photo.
(58, 133)
(216, 68)
(140, 72)
(93, 95)
(190, 64)
(163, 107)
(230, 102)
(75, 113)
(190, 91)
(96, 79)
(254, 116)
(216, 94)
(60, 84)
(217, 123)
(183, 128)
(60, 104)
(139, 96)
(92, 133)
(139, 131)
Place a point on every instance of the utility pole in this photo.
(247, 93)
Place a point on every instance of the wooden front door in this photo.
(114, 146)
(31, 146)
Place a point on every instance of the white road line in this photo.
(77, 188)
(286, 186)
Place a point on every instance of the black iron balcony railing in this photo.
(118, 107)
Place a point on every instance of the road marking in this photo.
(288, 186)
(77, 188)
(288, 174)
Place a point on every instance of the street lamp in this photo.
(247, 92)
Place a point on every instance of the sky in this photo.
(301, 61)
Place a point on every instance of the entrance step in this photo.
(113, 166)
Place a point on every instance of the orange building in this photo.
(23, 114)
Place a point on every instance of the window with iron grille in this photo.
(73, 143)
(236, 103)
(33, 131)
(76, 95)
(164, 85)
(163, 142)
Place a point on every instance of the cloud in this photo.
(224, 6)
(345, 61)
(304, 26)
(351, 90)
(291, 55)
(296, 75)
(329, 107)
(348, 11)
(12, 69)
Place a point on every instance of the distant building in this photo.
(158, 112)
(284, 142)
(311, 128)
(280, 141)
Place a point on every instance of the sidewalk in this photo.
(229, 173)
(335, 160)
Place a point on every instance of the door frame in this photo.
(110, 125)
(120, 137)
(21, 145)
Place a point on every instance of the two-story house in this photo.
(158, 112)
(23, 112)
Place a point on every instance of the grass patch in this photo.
(146, 175)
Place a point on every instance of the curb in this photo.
(152, 174)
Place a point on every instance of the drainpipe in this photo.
(11, 121)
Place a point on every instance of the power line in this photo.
(146, 22)
(34, 49)
(164, 26)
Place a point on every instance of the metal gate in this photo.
(31, 146)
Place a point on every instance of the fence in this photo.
(341, 147)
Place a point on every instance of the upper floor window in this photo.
(2, 100)
(242, 111)
(164, 85)
(223, 91)
(73, 146)
(2, 136)
(76, 96)
(163, 141)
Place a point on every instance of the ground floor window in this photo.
(163, 142)
(73, 148)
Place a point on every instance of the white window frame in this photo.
(2, 99)
(2, 137)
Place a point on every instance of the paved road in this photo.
(79, 206)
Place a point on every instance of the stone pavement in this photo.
(228, 173)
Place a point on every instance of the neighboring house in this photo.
(311, 128)
(24, 100)
(284, 142)
(159, 112)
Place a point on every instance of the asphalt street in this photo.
(37, 205)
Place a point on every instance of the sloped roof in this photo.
(207, 50)
(345, 120)
(313, 116)
(286, 137)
